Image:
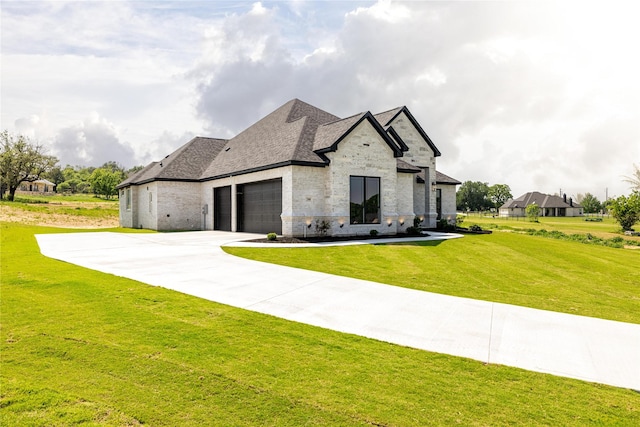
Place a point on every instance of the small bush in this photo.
(373, 233)
(445, 225)
(322, 227)
(475, 227)
(413, 231)
(272, 236)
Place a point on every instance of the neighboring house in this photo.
(549, 205)
(40, 186)
(297, 167)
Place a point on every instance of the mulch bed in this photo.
(351, 238)
(334, 238)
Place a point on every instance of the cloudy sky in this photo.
(537, 95)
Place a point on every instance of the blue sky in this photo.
(537, 95)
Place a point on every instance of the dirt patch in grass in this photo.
(53, 217)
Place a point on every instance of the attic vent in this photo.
(365, 144)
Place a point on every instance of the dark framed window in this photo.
(364, 200)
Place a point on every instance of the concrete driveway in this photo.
(580, 347)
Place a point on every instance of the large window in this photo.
(365, 200)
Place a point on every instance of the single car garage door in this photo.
(260, 207)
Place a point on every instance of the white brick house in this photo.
(296, 167)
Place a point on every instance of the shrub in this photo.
(413, 231)
(626, 210)
(373, 233)
(272, 236)
(322, 227)
(445, 225)
(475, 227)
(532, 212)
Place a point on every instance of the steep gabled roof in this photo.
(385, 118)
(540, 199)
(283, 137)
(329, 135)
(296, 133)
(185, 164)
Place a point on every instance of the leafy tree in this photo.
(55, 175)
(499, 194)
(590, 203)
(634, 180)
(104, 181)
(626, 210)
(21, 161)
(133, 170)
(473, 196)
(76, 179)
(532, 212)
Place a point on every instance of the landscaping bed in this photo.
(324, 239)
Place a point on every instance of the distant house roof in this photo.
(296, 133)
(540, 199)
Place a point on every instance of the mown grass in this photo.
(83, 347)
(518, 269)
(607, 228)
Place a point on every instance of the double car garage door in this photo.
(259, 207)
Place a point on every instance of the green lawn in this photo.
(82, 347)
(504, 267)
(607, 228)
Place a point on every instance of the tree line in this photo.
(24, 161)
(480, 196)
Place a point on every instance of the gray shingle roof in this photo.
(440, 178)
(385, 117)
(403, 166)
(540, 199)
(184, 164)
(295, 133)
(282, 137)
(445, 179)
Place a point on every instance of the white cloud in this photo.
(535, 95)
(92, 142)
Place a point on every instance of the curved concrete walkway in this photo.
(580, 347)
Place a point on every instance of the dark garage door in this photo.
(260, 206)
(222, 208)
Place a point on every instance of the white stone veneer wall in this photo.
(405, 194)
(126, 215)
(362, 153)
(178, 205)
(422, 156)
(448, 194)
